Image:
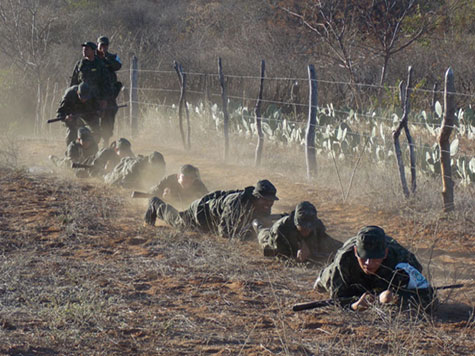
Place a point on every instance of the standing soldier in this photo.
(91, 70)
(78, 108)
(112, 63)
(299, 235)
(226, 213)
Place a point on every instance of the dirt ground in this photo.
(81, 275)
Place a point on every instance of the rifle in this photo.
(325, 303)
(80, 165)
(136, 194)
(83, 113)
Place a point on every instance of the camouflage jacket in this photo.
(71, 105)
(78, 154)
(344, 278)
(178, 195)
(113, 64)
(226, 213)
(96, 75)
(104, 161)
(288, 239)
(134, 173)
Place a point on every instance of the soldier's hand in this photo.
(386, 297)
(68, 118)
(303, 254)
(364, 302)
(166, 193)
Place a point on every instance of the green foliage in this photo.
(343, 134)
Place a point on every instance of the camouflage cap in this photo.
(156, 158)
(371, 242)
(89, 44)
(84, 133)
(124, 145)
(305, 215)
(265, 189)
(84, 91)
(103, 40)
(190, 171)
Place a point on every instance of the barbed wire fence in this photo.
(285, 95)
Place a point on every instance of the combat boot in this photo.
(151, 213)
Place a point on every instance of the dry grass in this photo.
(79, 274)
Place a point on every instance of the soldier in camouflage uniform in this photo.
(112, 63)
(83, 150)
(138, 172)
(226, 213)
(78, 108)
(181, 189)
(373, 266)
(108, 158)
(299, 235)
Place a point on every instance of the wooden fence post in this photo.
(404, 95)
(182, 103)
(311, 124)
(260, 134)
(225, 109)
(444, 143)
(134, 96)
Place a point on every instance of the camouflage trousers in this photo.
(108, 120)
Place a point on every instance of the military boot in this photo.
(151, 213)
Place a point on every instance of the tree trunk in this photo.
(225, 109)
(404, 96)
(311, 124)
(260, 134)
(444, 143)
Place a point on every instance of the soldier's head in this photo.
(85, 137)
(123, 148)
(370, 248)
(187, 176)
(89, 50)
(264, 196)
(84, 92)
(157, 163)
(102, 44)
(305, 218)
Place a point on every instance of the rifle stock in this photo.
(136, 194)
(80, 165)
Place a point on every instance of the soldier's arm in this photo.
(75, 76)
(114, 62)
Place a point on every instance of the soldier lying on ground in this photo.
(78, 108)
(226, 213)
(108, 158)
(372, 267)
(181, 189)
(81, 151)
(299, 235)
(138, 172)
